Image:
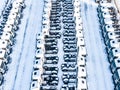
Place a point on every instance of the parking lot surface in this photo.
(59, 45)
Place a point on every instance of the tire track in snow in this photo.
(26, 52)
(31, 49)
(20, 55)
(19, 59)
(101, 81)
(90, 58)
(97, 60)
(107, 76)
(103, 56)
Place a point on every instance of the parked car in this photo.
(50, 61)
(53, 57)
(48, 88)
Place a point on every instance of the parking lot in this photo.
(59, 45)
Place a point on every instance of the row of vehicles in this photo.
(50, 74)
(58, 16)
(39, 74)
(69, 65)
(8, 26)
(74, 65)
(110, 26)
(81, 53)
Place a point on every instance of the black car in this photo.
(50, 67)
(67, 50)
(55, 51)
(69, 34)
(47, 40)
(70, 55)
(52, 57)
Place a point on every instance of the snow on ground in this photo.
(60, 55)
(99, 75)
(18, 76)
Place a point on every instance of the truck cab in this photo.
(9, 28)
(4, 56)
(3, 67)
(112, 44)
(5, 45)
(15, 17)
(110, 36)
(8, 37)
(115, 52)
